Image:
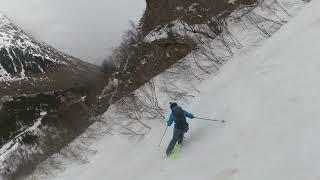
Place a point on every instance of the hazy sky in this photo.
(87, 29)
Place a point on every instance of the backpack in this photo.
(181, 122)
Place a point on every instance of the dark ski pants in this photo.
(178, 135)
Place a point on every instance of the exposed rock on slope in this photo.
(161, 12)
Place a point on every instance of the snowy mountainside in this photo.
(28, 66)
(21, 56)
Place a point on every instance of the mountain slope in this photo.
(28, 66)
(270, 101)
(21, 55)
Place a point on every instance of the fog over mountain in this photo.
(87, 29)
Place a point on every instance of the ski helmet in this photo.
(173, 105)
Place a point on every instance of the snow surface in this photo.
(270, 100)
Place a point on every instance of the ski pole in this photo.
(163, 136)
(206, 119)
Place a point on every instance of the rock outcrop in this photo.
(160, 12)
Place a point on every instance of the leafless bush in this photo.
(120, 55)
(142, 104)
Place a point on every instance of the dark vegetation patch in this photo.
(68, 116)
(29, 138)
(22, 112)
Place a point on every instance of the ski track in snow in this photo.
(271, 102)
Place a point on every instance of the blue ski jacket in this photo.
(173, 119)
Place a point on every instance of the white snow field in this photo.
(270, 100)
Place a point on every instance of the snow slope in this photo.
(270, 100)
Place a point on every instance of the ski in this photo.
(176, 152)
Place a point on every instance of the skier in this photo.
(178, 116)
